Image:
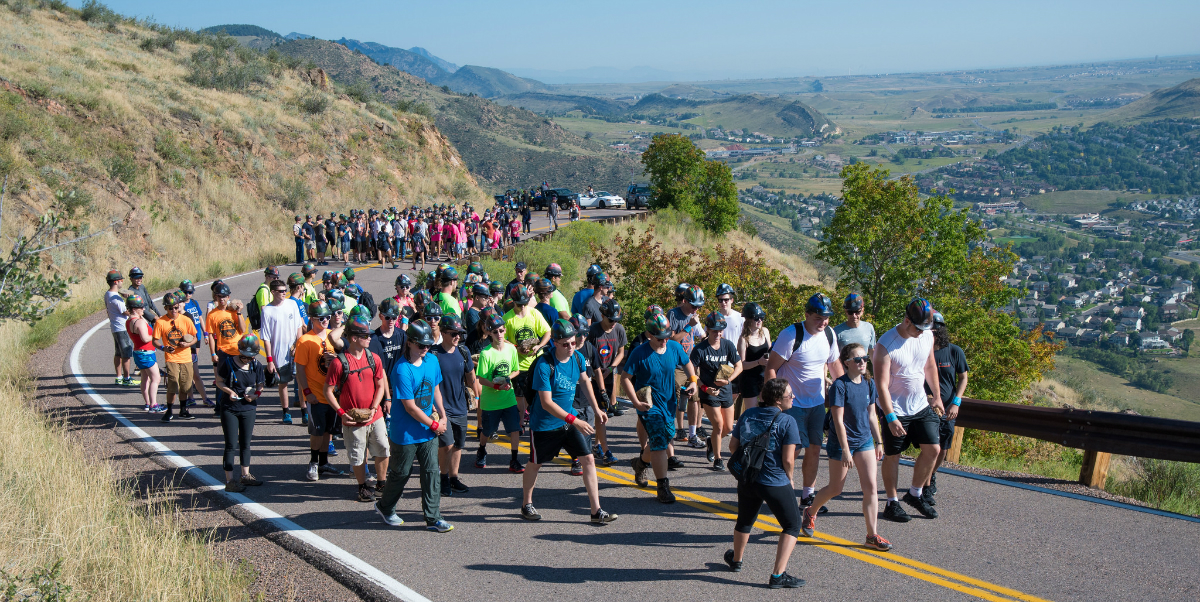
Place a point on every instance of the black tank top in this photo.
(753, 353)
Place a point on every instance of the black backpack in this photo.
(746, 464)
(829, 336)
(253, 311)
(365, 299)
(346, 371)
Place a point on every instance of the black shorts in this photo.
(587, 415)
(523, 386)
(945, 432)
(751, 385)
(456, 433)
(382, 244)
(714, 402)
(920, 429)
(322, 419)
(545, 445)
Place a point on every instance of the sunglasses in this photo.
(279, 290)
(321, 318)
(862, 359)
(363, 337)
(566, 342)
(725, 299)
(421, 347)
(388, 318)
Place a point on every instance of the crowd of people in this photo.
(522, 360)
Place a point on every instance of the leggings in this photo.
(781, 500)
(238, 428)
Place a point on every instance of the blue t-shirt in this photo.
(454, 366)
(416, 383)
(657, 370)
(562, 389)
(579, 299)
(547, 312)
(858, 399)
(752, 424)
(192, 309)
(303, 310)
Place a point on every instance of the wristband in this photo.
(341, 412)
(890, 417)
(307, 391)
(433, 426)
(270, 359)
(570, 419)
(957, 401)
(693, 378)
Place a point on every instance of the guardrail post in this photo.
(955, 451)
(1094, 472)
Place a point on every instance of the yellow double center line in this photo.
(887, 560)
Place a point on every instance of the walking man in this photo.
(281, 326)
(952, 380)
(114, 304)
(314, 352)
(355, 389)
(176, 334)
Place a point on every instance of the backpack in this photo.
(253, 311)
(746, 464)
(365, 299)
(346, 371)
(829, 336)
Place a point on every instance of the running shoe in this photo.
(808, 501)
(312, 472)
(609, 459)
(734, 565)
(234, 487)
(932, 488)
(718, 464)
(390, 519)
(576, 468)
(481, 460)
(664, 492)
(328, 469)
(304, 419)
(186, 415)
(680, 435)
(515, 467)
(877, 542)
(457, 486)
(365, 493)
(702, 432)
(130, 382)
(603, 517)
(250, 481)
(145, 407)
(919, 505)
(189, 402)
(784, 581)
(120, 381)
(708, 444)
(927, 496)
(639, 471)
(528, 512)
(446, 490)
(808, 523)
(159, 408)
(695, 442)
(440, 526)
(332, 450)
(894, 512)
(208, 403)
(287, 417)
(674, 463)
(617, 410)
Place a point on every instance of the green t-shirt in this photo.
(559, 302)
(263, 296)
(533, 325)
(449, 304)
(494, 363)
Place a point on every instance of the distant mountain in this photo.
(440, 62)
(242, 30)
(541, 102)
(404, 60)
(488, 82)
(600, 75)
(774, 115)
(1178, 102)
(298, 36)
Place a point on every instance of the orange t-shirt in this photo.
(171, 332)
(224, 326)
(310, 353)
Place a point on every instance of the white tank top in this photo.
(907, 370)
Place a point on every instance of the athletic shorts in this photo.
(123, 345)
(178, 378)
(811, 422)
(322, 419)
(834, 447)
(367, 441)
(920, 429)
(383, 244)
(587, 415)
(659, 431)
(345, 246)
(310, 244)
(544, 446)
(321, 246)
(510, 416)
(713, 402)
(144, 360)
(285, 373)
(945, 431)
(750, 385)
(456, 433)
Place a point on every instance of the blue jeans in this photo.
(400, 244)
(299, 250)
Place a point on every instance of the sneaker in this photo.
(708, 452)
(189, 402)
(304, 419)
(927, 497)
(332, 450)
(609, 459)
(808, 523)
(734, 565)
(603, 517)
(481, 460)
(680, 435)
(440, 526)
(167, 416)
(876, 542)
(576, 468)
(718, 464)
(287, 417)
(390, 519)
(784, 580)
(330, 470)
(616, 410)
(446, 490)
(528, 512)
(932, 488)
(144, 406)
(186, 415)
(702, 432)
(312, 472)
(639, 471)
(158, 408)
(674, 463)
(894, 512)
(457, 486)
(919, 505)
(234, 487)
(695, 442)
(808, 501)
(664, 492)
(208, 403)
(365, 493)
(515, 467)
(120, 381)
(250, 481)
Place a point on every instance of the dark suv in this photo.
(562, 196)
(638, 196)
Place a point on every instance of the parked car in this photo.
(638, 196)
(562, 196)
(601, 200)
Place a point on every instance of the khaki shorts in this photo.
(179, 378)
(372, 438)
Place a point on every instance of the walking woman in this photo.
(774, 483)
(144, 355)
(240, 382)
(719, 364)
(755, 348)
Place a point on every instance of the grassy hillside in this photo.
(404, 60)
(541, 102)
(487, 82)
(1177, 102)
(502, 146)
(774, 115)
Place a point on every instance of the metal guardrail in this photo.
(1099, 434)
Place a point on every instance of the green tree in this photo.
(717, 203)
(675, 166)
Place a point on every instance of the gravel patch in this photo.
(1048, 483)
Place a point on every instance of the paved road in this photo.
(992, 541)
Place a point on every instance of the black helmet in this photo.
(681, 290)
(496, 287)
(432, 311)
(451, 324)
(222, 290)
(580, 324)
(114, 276)
(134, 301)
(715, 321)
(494, 322)
(171, 298)
(753, 311)
(853, 302)
(553, 271)
(421, 333)
(216, 283)
(136, 272)
(819, 304)
(562, 329)
(449, 274)
(938, 319)
(725, 289)
(352, 291)
(543, 286)
(422, 298)
(187, 287)
(658, 326)
(592, 271)
(611, 310)
(920, 313)
(480, 290)
(388, 308)
(404, 280)
(249, 345)
(335, 294)
(475, 268)
(518, 294)
(694, 296)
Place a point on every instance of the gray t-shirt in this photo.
(591, 310)
(864, 335)
(679, 321)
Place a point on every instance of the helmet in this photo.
(187, 287)
(938, 319)
(249, 345)
(329, 277)
(308, 269)
(136, 272)
(407, 311)
(271, 271)
(352, 291)
(681, 290)
(404, 280)
(295, 279)
(340, 280)
(348, 273)
(388, 308)
(472, 279)
(715, 321)
(475, 268)
(222, 290)
(480, 290)
(592, 271)
(611, 310)
(334, 294)
(602, 281)
(422, 298)
(694, 296)
(920, 313)
(421, 333)
(449, 274)
(517, 293)
(553, 271)
(170, 299)
(215, 284)
(494, 322)
(543, 286)
(431, 311)
(562, 329)
(753, 311)
(134, 301)
(658, 326)
(580, 323)
(358, 325)
(496, 287)
(361, 310)
(819, 304)
(652, 310)
(725, 289)
(853, 302)
(451, 324)
(114, 276)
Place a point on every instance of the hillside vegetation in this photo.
(1176, 102)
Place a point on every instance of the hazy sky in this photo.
(744, 38)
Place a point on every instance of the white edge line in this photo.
(351, 562)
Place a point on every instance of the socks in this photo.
(322, 458)
(692, 430)
(808, 491)
(915, 491)
(514, 455)
(313, 456)
(893, 499)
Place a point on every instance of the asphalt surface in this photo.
(991, 541)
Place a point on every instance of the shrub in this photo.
(360, 92)
(314, 102)
(412, 106)
(122, 168)
(74, 201)
(172, 150)
(224, 65)
(290, 193)
(93, 11)
(165, 41)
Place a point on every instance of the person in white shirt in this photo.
(733, 319)
(280, 328)
(114, 304)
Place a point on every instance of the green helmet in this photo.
(134, 301)
(361, 310)
(319, 309)
(249, 345)
(389, 308)
(348, 273)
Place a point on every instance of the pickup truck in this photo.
(562, 196)
(638, 195)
